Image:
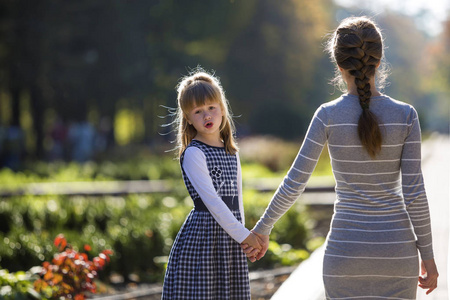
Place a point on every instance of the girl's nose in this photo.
(207, 116)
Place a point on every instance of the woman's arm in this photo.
(414, 190)
(295, 181)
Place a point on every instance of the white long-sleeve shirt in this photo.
(195, 167)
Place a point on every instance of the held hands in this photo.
(429, 281)
(252, 244)
(255, 253)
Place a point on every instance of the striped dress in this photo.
(381, 218)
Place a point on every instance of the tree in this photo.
(276, 66)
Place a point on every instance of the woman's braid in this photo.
(359, 51)
(357, 47)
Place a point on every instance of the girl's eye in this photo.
(212, 107)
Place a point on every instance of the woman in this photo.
(381, 218)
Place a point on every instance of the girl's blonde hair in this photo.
(197, 89)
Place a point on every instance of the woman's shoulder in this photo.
(329, 107)
(342, 102)
(347, 100)
(347, 107)
(396, 107)
(393, 102)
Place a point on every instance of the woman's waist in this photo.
(370, 193)
(391, 231)
(381, 203)
(383, 221)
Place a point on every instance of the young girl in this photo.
(381, 218)
(206, 260)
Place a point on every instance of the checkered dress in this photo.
(205, 262)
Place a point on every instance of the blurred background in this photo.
(85, 92)
(79, 78)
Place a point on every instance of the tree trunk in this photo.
(37, 107)
(15, 98)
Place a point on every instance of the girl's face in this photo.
(207, 120)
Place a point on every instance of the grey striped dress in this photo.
(381, 217)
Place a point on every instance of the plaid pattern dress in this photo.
(205, 262)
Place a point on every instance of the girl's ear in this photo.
(187, 119)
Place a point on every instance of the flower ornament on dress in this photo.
(215, 175)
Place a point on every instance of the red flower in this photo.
(71, 273)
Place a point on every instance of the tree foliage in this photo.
(87, 60)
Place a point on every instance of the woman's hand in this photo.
(429, 277)
(264, 241)
(256, 254)
(251, 246)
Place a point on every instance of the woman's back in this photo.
(381, 213)
(371, 234)
(371, 240)
(357, 175)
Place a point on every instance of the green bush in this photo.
(289, 237)
(140, 229)
(273, 153)
(145, 168)
(137, 227)
(268, 154)
(17, 286)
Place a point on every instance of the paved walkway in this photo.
(436, 170)
(306, 281)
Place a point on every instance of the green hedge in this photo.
(139, 228)
(17, 286)
(142, 168)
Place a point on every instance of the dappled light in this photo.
(90, 178)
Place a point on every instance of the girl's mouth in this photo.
(209, 125)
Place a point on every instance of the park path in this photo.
(306, 281)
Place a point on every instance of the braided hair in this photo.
(357, 47)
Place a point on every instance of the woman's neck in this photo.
(352, 89)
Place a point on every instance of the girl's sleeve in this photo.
(294, 182)
(240, 195)
(413, 188)
(194, 165)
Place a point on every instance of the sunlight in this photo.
(428, 15)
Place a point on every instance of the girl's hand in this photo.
(251, 246)
(264, 241)
(250, 252)
(256, 254)
(429, 281)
